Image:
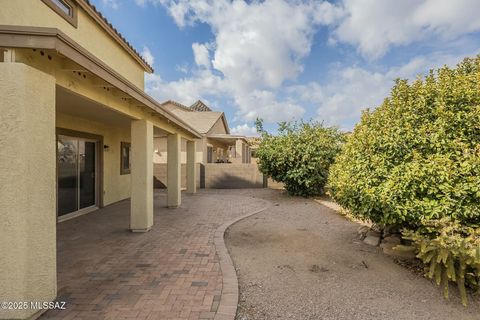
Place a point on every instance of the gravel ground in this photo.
(302, 260)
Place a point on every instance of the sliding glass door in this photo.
(77, 174)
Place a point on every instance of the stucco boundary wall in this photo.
(233, 176)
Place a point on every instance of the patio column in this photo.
(141, 202)
(27, 188)
(239, 149)
(174, 169)
(191, 168)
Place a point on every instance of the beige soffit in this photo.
(54, 39)
(114, 33)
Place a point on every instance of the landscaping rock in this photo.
(362, 232)
(391, 230)
(388, 249)
(392, 239)
(372, 238)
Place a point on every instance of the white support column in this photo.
(191, 168)
(28, 188)
(141, 202)
(174, 169)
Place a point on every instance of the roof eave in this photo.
(54, 39)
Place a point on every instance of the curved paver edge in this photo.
(227, 308)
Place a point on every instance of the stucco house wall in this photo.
(116, 186)
(27, 188)
(89, 34)
(43, 55)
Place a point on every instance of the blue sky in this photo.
(289, 60)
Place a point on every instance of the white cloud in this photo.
(258, 46)
(114, 4)
(148, 56)
(373, 26)
(245, 130)
(352, 89)
(201, 55)
(265, 104)
(183, 68)
(186, 90)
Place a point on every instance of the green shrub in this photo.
(450, 251)
(417, 156)
(299, 156)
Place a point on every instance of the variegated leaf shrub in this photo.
(450, 251)
(417, 156)
(414, 162)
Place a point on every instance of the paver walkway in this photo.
(171, 272)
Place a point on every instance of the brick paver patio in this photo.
(171, 272)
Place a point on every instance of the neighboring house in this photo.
(76, 134)
(216, 146)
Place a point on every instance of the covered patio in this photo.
(172, 272)
(229, 148)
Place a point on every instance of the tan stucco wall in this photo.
(116, 187)
(233, 176)
(160, 175)
(160, 146)
(160, 150)
(160, 162)
(88, 34)
(27, 188)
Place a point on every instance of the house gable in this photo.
(220, 126)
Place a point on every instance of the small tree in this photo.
(299, 156)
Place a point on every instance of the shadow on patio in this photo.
(107, 272)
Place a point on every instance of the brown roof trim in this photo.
(54, 39)
(114, 33)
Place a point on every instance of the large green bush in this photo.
(299, 156)
(417, 156)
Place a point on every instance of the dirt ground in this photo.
(302, 260)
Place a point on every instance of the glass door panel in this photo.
(87, 173)
(77, 168)
(67, 175)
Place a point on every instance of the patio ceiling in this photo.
(70, 103)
